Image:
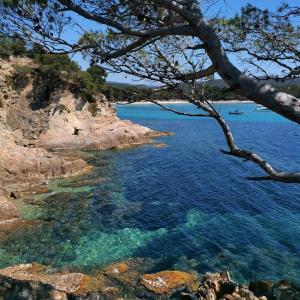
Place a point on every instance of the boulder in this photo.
(34, 281)
(166, 283)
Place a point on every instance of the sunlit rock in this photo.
(166, 282)
(8, 211)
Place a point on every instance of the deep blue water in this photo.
(186, 205)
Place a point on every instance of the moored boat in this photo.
(236, 112)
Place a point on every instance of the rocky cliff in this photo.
(37, 116)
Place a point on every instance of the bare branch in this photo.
(197, 75)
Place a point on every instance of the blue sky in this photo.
(225, 7)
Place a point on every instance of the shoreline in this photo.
(185, 102)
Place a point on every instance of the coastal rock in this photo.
(128, 272)
(73, 129)
(31, 120)
(20, 166)
(31, 281)
(214, 285)
(166, 283)
(285, 290)
(8, 211)
(261, 287)
(219, 286)
(36, 282)
(22, 162)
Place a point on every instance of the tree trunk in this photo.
(261, 93)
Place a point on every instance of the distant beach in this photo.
(183, 102)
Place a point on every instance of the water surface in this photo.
(186, 205)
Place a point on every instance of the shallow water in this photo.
(186, 205)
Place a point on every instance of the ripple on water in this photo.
(186, 205)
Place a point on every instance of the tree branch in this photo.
(234, 150)
(162, 31)
(197, 75)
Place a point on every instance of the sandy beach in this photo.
(185, 102)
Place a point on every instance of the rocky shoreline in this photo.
(127, 279)
(36, 119)
(30, 131)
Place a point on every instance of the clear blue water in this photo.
(185, 205)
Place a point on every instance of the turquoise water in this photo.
(186, 205)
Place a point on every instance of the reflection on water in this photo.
(185, 205)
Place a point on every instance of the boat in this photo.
(236, 112)
(261, 108)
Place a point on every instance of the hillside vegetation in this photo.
(51, 67)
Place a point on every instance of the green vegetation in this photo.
(293, 89)
(56, 65)
(52, 68)
(20, 79)
(11, 46)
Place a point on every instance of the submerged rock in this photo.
(117, 269)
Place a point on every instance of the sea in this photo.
(180, 201)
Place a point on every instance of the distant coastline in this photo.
(185, 102)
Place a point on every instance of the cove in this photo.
(185, 205)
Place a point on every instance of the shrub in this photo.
(20, 77)
(98, 74)
(56, 65)
(12, 46)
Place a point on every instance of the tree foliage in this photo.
(177, 43)
(11, 46)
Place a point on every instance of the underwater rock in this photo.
(8, 211)
(117, 269)
(159, 145)
(166, 283)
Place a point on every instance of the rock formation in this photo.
(9, 212)
(35, 282)
(36, 117)
(166, 283)
(80, 129)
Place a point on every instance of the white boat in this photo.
(236, 112)
(260, 108)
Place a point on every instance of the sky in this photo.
(225, 7)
